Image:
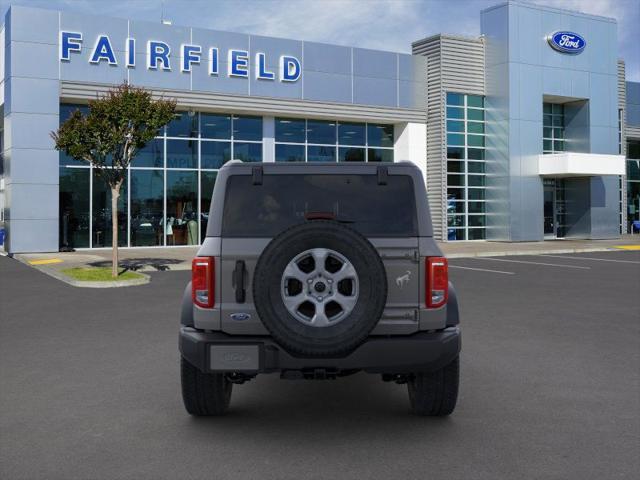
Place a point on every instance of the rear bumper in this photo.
(219, 352)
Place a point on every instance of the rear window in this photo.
(286, 200)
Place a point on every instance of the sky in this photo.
(378, 24)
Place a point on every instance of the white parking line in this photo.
(591, 258)
(481, 269)
(531, 263)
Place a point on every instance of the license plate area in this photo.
(234, 358)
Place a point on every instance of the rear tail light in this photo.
(437, 276)
(202, 285)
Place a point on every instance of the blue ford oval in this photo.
(567, 42)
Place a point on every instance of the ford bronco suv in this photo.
(318, 271)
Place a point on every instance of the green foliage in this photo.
(117, 126)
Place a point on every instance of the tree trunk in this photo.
(115, 193)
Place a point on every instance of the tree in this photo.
(117, 126)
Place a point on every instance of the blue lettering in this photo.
(290, 70)
(190, 55)
(103, 51)
(131, 52)
(238, 63)
(158, 52)
(213, 61)
(261, 68)
(69, 42)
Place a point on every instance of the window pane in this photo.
(380, 135)
(380, 155)
(477, 115)
(547, 145)
(547, 132)
(476, 180)
(455, 139)
(475, 140)
(182, 208)
(475, 127)
(455, 98)
(558, 121)
(351, 133)
(476, 234)
(101, 216)
(455, 221)
(455, 126)
(633, 169)
(546, 108)
(476, 207)
(558, 145)
(146, 207)
(455, 152)
(321, 154)
(207, 182)
(183, 125)
(151, 155)
(455, 167)
(475, 101)
(215, 126)
(182, 154)
(455, 193)
(476, 193)
(290, 130)
(67, 160)
(74, 207)
(475, 153)
(455, 207)
(476, 167)
(547, 120)
(346, 154)
(476, 220)
(319, 131)
(454, 112)
(633, 149)
(214, 154)
(455, 180)
(557, 108)
(66, 109)
(247, 152)
(558, 133)
(247, 128)
(455, 234)
(289, 153)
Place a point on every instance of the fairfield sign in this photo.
(160, 57)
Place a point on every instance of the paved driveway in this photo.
(89, 386)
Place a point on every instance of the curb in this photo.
(530, 252)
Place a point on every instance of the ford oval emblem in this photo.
(567, 42)
(240, 317)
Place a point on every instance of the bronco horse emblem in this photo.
(402, 280)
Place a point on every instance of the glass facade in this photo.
(166, 197)
(465, 122)
(633, 184)
(300, 140)
(552, 128)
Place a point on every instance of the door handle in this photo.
(238, 280)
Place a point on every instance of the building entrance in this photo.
(555, 208)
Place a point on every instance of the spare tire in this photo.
(319, 288)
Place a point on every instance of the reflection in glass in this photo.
(151, 155)
(289, 153)
(214, 154)
(182, 154)
(74, 207)
(350, 154)
(351, 133)
(185, 124)
(455, 98)
(147, 187)
(379, 135)
(317, 153)
(101, 215)
(247, 128)
(215, 126)
(320, 131)
(207, 182)
(66, 109)
(290, 130)
(182, 208)
(247, 152)
(380, 155)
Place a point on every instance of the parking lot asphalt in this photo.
(550, 386)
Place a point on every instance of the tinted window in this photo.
(284, 200)
(290, 130)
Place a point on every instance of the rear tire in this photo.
(435, 394)
(204, 394)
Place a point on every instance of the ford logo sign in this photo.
(240, 317)
(567, 42)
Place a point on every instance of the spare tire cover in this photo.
(320, 288)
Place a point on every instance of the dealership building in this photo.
(525, 133)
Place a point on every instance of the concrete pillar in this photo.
(411, 144)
